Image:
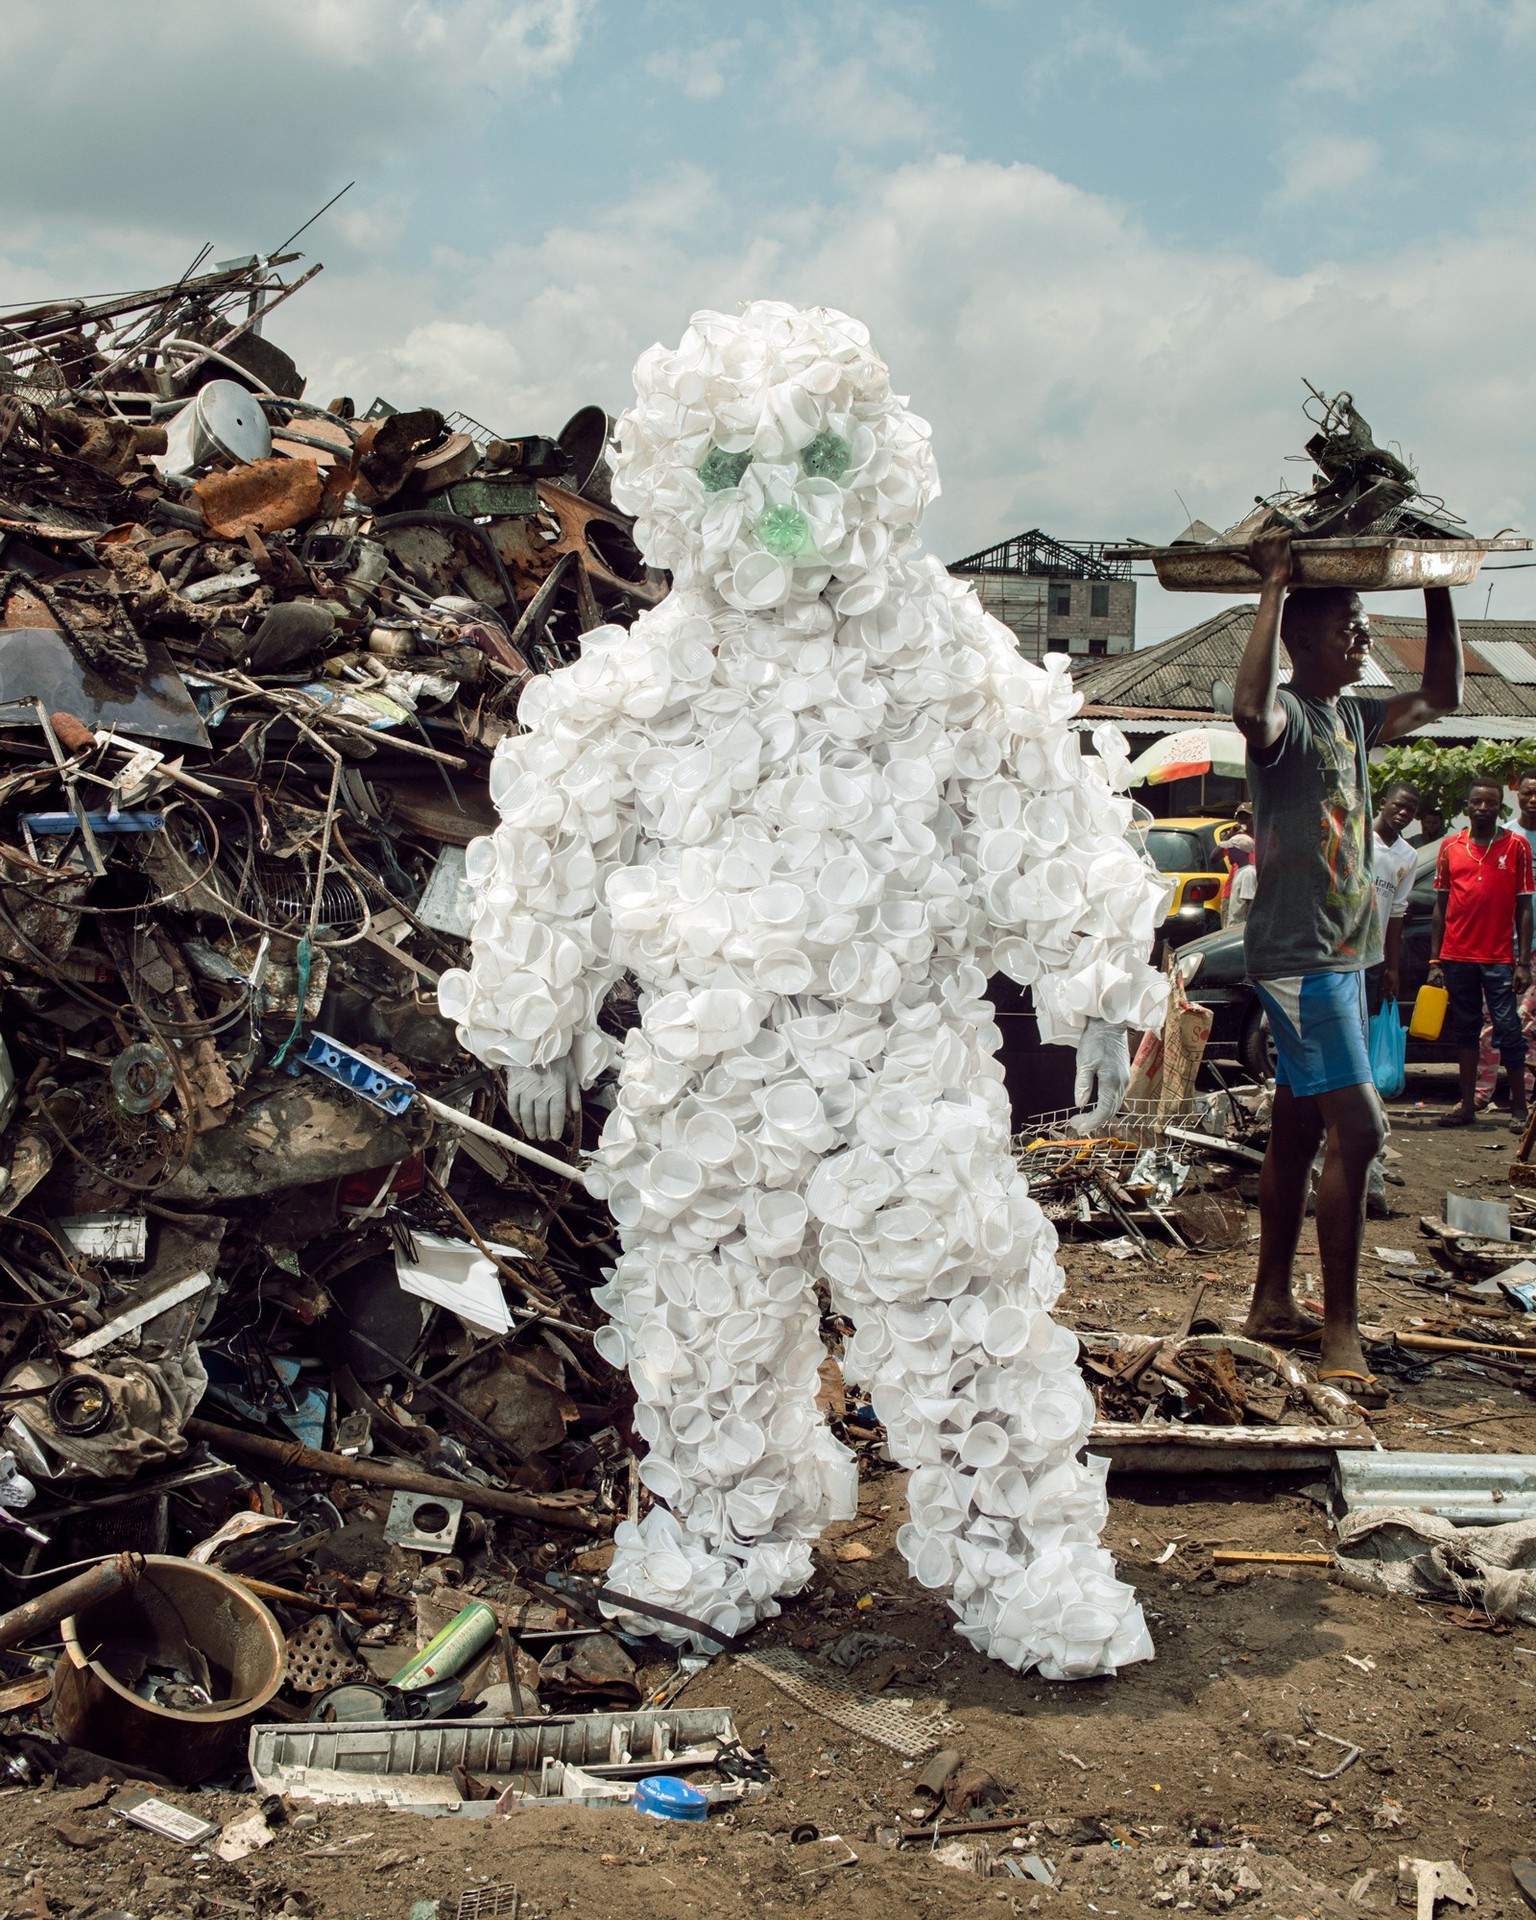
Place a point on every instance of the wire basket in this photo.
(1083, 1175)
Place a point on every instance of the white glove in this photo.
(1103, 1071)
(542, 1099)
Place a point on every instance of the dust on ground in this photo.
(1183, 1785)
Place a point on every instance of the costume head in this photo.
(767, 456)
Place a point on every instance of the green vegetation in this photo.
(1443, 774)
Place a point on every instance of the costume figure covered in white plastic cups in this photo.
(811, 802)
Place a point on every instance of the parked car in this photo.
(1214, 975)
(1188, 850)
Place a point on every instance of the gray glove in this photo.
(1103, 1071)
(542, 1099)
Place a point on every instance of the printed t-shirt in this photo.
(1395, 868)
(1482, 885)
(1315, 908)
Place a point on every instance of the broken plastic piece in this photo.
(390, 1092)
(160, 1816)
(98, 820)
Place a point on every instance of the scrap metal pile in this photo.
(255, 653)
(1359, 487)
(1364, 524)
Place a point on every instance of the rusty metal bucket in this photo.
(178, 1618)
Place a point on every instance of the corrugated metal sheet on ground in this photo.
(1471, 1489)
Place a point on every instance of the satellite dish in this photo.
(1221, 696)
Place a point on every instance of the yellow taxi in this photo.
(1188, 849)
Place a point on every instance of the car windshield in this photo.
(1174, 852)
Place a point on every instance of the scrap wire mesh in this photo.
(1074, 1174)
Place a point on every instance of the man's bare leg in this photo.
(1356, 1132)
(1295, 1129)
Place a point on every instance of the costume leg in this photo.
(735, 1446)
(977, 1387)
(715, 1315)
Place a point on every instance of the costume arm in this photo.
(540, 961)
(1074, 912)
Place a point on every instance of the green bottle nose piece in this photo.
(720, 469)
(784, 531)
(827, 456)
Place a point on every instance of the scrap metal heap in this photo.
(255, 654)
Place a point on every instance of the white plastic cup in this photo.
(984, 1445)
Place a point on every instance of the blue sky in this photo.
(1099, 243)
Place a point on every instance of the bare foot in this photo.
(1285, 1328)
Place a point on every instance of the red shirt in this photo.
(1482, 885)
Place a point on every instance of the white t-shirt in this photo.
(1395, 866)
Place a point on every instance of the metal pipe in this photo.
(466, 1123)
(48, 1609)
(375, 1473)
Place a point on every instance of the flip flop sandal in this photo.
(1365, 1389)
(1517, 1122)
(1456, 1118)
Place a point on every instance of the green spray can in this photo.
(451, 1650)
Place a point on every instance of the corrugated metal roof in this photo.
(1177, 675)
(1508, 657)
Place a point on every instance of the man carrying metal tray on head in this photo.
(1314, 929)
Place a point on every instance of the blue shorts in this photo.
(1317, 1021)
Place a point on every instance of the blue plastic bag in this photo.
(1389, 1050)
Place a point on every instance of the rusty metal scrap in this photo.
(247, 707)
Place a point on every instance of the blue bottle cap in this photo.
(665, 1797)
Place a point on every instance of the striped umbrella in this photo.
(1182, 756)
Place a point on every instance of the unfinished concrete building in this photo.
(1058, 596)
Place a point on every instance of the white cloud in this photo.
(854, 101)
(1082, 36)
(1360, 46)
(700, 72)
(185, 115)
(1324, 166)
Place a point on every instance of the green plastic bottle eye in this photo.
(784, 531)
(721, 469)
(827, 456)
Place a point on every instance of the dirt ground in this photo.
(1182, 1785)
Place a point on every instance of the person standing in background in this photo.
(1396, 864)
(1238, 851)
(1487, 1052)
(1480, 944)
(1431, 827)
(1525, 817)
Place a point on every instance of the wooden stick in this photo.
(1224, 1557)
(269, 1590)
(1434, 1343)
(382, 1473)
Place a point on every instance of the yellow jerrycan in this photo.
(1429, 1008)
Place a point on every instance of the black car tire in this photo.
(1256, 1050)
